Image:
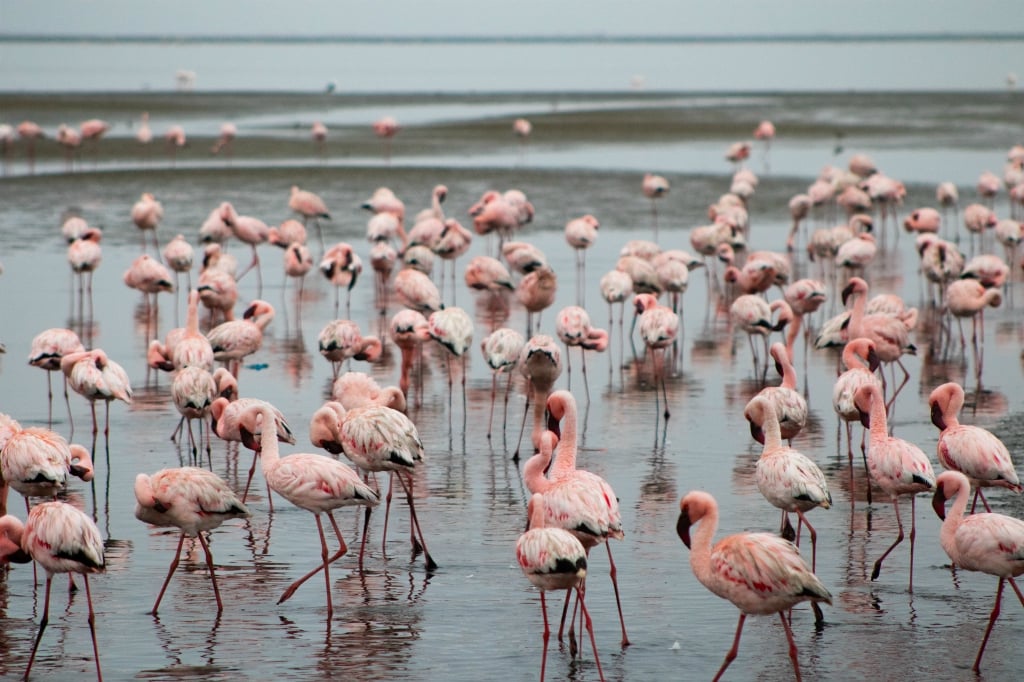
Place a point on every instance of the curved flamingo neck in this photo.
(772, 429)
(951, 415)
(791, 334)
(857, 314)
(700, 546)
(879, 421)
(533, 474)
(788, 371)
(954, 517)
(852, 360)
(269, 452)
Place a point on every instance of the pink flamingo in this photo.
(61, 539)
(298, 261)
(375, 438)
(179, 256)
(85, 256)
(453, 328)
(94, 376)
(30, 131)
(573, 327)
(553, 559)
(312, 482)
(218, 292)
(342, 267)
(340, 340)
(855, 354)
(226, 419)
(536, 292)
(226, 140)
(948, 197)
(92, 130)
(234, 340)
(144, 134)
(898, 466)
(654, 187)
(318, 133)
(417, 292)
(581, 233)
(382, 259)
(799, 208)
(193, 500)
(485, 273)
(191, 348)
(971, 450)
(147, 213)
(46, 351)
(659, 327)
(754, 316)
(788, 405)
(969, 298)
(151, 277)
(788, 479)
(356, 389)
(990, 543)
(523, 257)
(501, 349)
(36, 462)
(193, 390)
(408, 330)
(765, 131)
(541, 363)
(760, 573)
(453, 241)
(561, 407)
(175, 139)
(309, 205)
(251, 231)
(386, 128)
(978, 218)
(616, 287)
(69, 138)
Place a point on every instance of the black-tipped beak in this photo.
(873, 359)
(937, 417)
(939, 502)
(847, 290)
(865, 418)
(757, 433)
(683, 528)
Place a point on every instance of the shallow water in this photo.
(476, 617)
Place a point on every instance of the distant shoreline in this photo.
(684, 39)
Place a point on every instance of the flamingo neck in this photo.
(269, 452)
(565, 452)
(856, 316)
(879, 421)
(772, 429)
(533, 474)
(192, 317)
(851, 360)
(700, 547)
(954, 517)
(788, 371)
(791, 333)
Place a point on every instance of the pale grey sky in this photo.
(520, 17)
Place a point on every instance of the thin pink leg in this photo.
(590, 631)
(547, 634)
(792, 647)
(170, 572)
(615, 586)
(213, 574)
(988, 630)
(342, 549)
(730, 656)
(42, 626)
(899, 538)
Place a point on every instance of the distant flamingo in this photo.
(581, 233)
(861, 361)
(408, 330)
(318, 133)
(453, 242)
(191, 348)
(375, 438)
(990, 543)
(218, 292)
(386, 128)
(234, 340)
(765, 131)
(144, 134)
(969, 298)
(787, 478)
(898, 466)
(61, 539)
(179, 256)
(382, 259)
(977, 219)
(298, 261)
(654, 187)
(541, 363)
(501, 349)
(151, 277)
(616, 287)
(523, 257)
(659, 327)
(948, 197)
(312, 482)
(340, 340)
(453, 329)
(754, 316)
(788, 404)
(85, 255)
(175, 139)
(573, 327)
(226, 140)
(147, 213)
(94, 376)
(309, 205)
(536, 291)
(971, 450)
(48, 348)
(356, 389)
(485, 273)
(92, 130)
(758, 572)
(194, 500)
(342, 267)
(799, 208)
(193, 390)
(30, 131)
(553, 559)
(248, 230)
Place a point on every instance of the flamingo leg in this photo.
(618, 602)
(814, 539)
(590, 631)
(991, 623)
(546, 636)
(431, 564)
(170, 572)
(252, 470)
(213, 574)
(342, 550)
(730, 656)
(792, 646)
(387, 506)
(362, 543)
(42, 626)
(92, 629)
(494, 395)
(899, 538)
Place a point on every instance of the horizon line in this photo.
(949, 36)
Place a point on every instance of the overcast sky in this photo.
(501, 17)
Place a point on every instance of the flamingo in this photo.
(234, 340)
(553, 559)
(342, 267)
(616, 287)
(971, 450)
(541, 363)
(355, 389)
(151, 277)
(536, 292)
(799, 208)
(61, 539)
(658, 329)
(340, 340)
(386, 128)
(179, 256)
(382, 259)
(36, 462)
(147, 213)
(30, 131)
(193, 500)
(523, 257)
(561, 406)
(501, 349)
(191, 348)
(298, 261)
(788, 479)
(226, 419)
(855, 354)
(193, 390)
(581, 233)
(175, 139)
(969, 298)
(990, 543)
(453, 329)
(84, 256)
(654, 187)
(754, 316)
(46, 351)
(375, 438)
(408, 330)
(94, 376)
(318, 133)
(788, 405)
(309, 206)
(485, 273)
(226, 140)
(453, 241)
(898, 466)
(312, 482)
(758, 572)
(573, 327)
(218, 292)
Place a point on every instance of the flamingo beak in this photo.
(939, 502)
(873, 360)
(757, 433)
(683, 527)
(937, 417)
(847, 290)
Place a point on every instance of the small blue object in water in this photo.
(258, 366)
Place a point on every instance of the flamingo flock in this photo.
(769, 287)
